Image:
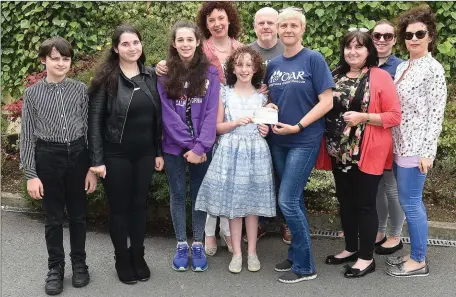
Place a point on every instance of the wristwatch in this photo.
(301, 127)
(368, 118)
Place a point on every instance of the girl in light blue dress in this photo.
(239, 182)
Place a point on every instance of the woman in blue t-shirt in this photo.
(300, 85)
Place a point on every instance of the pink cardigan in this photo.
(377, 145)
(209, 52)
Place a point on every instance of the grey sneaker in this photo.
(253, 263)
(235, 264)
(394, 261)
(398, 271)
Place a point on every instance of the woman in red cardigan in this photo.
(359, 142)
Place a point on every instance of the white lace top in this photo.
(422, 93)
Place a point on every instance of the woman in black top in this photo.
(124, 143)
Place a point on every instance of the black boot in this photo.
(81, 277)
(139, 264)
(54, 280)
(124, 268)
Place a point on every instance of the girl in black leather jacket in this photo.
(124, 144)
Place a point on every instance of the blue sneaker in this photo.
(180, 261)
(199, 261)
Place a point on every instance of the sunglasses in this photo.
(364, 30)
(386, 36)
(419, 34)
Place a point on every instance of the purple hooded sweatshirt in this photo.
(176, 134)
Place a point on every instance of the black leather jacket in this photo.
(107, 114)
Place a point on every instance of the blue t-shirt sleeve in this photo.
(321, 75)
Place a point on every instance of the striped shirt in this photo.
(54, 112)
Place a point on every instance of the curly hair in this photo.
(421, 14)
(363, 38)
(257, 61)
(235, 27)
(195, 73)
(108, 71)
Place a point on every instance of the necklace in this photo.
(221, 51)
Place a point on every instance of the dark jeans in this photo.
(127, 183)
(175, 169)
(294, 165)
(62, 168)
(357, 193)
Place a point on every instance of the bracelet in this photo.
(301, 127)
(368, 118)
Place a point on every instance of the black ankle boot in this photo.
(81, 277)
(124, 268)
(54, 280)
(140, 267)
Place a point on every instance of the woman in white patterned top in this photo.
(422, 91)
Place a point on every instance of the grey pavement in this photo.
(24, 258)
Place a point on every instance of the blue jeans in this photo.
(410, 184)
(175, 167)
(293, 166)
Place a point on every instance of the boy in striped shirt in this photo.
(54, 158)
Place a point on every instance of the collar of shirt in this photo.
(62, 84)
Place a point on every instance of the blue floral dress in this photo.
(239, 181)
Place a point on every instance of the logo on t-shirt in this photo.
(281, 78)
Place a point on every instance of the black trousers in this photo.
(127, 182)
(62, 168)
(357, 192)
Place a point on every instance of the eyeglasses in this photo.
(291, 8)
(364, 30)
(386, 36)
(419, 34)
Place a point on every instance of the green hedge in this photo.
(88, 25)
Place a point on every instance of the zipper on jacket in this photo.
(126, 115)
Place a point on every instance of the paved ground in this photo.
(23, 264)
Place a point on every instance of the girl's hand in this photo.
(99, 170)
(353, 118)
(161, 69)
(264, 129)
(272, 105)
(424, 165)
(284, 129)
(243, 121)
(35, 188)
(203, 158)
(159, 163)
(90, 182)
(263, 90)
(192, 157)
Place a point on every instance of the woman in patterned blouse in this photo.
(422, 91)
(359, 141)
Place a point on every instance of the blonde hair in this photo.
(289, 13)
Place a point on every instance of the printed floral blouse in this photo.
(422, 92)
(342, 141)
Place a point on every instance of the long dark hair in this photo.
(109, 70)
(178, 73)
(363, 38)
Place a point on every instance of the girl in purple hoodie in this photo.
(189, 96)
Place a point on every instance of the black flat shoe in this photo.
(381, 241)
(355, 273)
(332, 260)
(387, 251)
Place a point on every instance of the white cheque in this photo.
(265, 115)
